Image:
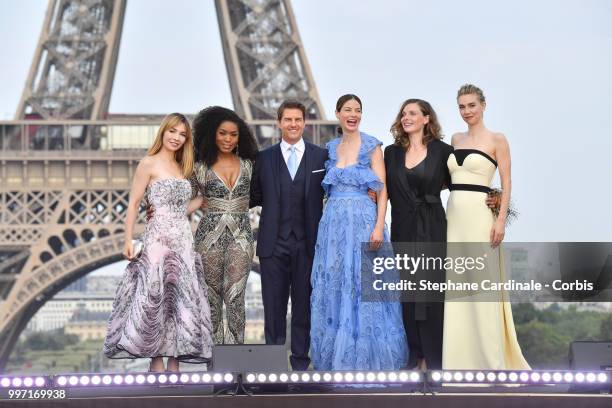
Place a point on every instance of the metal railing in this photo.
(33, 137)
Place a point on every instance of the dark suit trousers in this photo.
(288, 271)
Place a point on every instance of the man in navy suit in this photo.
(286, 182)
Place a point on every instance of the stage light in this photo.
(195, 378)
(140, 379)
(591, 377)
(535, 377)
(546, 377)
(393, 376)
(338, 377)
(217, 378)
(261, 378)
(480, 376)
(28, 381)
(513, 377)
(62, 381)
(580, 377)
(502, 377)
(568, 377)
(602, 377)
(294, 377)
(436, 376)
(162, 379)
(84, 380)
(173, 378)
(316, 377)
(349, 377)
(524, 377)
(491, 377)
(228, 377)
(360, 377)
(305, 377)
(415, 377)
(469, 376)
(129, 379)
(17, 382)
(272, 377)
(327, 377)
(381, 377)
(151, 379)
(107, 380)
(40, 382)
(5, 382)
(96, 380)
(447, 376)
(184, 378)
(73, 380)
(458, 376)
(370, 377)
(283, 377)
(557, 377)
(206, 378)
(118, 379)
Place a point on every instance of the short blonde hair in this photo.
(469, 89)
(185, 155)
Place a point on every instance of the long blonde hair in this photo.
(184, 156)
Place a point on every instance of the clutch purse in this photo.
(138, 246)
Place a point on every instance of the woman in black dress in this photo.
(416, 173)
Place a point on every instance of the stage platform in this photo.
(559, 389)
(352, 400)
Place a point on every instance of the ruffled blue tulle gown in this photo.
(346, 332)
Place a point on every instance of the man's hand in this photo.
(373, 196)
(493, 201)
(150, 212)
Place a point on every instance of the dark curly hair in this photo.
(205, 126)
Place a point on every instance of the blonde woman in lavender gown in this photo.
(161, 306)
(479, 335)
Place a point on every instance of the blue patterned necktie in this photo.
(292, 162)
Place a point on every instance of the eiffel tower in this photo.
(66, 163)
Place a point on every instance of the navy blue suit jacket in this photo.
(265, 191)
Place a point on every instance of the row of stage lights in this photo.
(521, 377)
(337, 377)
(306, 377)
(76, 380)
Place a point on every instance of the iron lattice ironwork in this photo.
(65, 168)
(72, 72)
(265, 58)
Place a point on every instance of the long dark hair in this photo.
(431, 131)
(344, 99)
(205, 126)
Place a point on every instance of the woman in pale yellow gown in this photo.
(479, 335)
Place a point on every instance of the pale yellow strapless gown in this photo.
(477, 335)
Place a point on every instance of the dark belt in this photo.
(428, 199)
(469, 187)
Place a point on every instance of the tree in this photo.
(524, 313)
(53, 340)
(605, 329)
(542, 346)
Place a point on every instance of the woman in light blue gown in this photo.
(348, 332)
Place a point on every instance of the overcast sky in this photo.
(544, 66)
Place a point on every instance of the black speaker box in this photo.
(245, 358)
(590, 355)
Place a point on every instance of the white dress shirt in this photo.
(300, 147)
